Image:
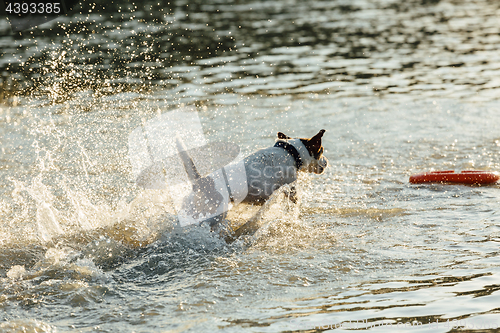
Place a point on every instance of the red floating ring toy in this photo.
(449, 176)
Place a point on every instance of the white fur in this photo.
(270, 168)
(265, 170)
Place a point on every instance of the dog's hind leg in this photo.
(205, 198)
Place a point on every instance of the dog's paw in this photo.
(292, 194)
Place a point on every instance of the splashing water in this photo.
(400, 87)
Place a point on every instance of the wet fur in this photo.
(261, 186)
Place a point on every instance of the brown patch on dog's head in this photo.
(315, 150)
(313, 145)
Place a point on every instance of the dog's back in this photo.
(267, 170)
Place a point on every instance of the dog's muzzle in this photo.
(319, 166)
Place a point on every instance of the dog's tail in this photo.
(189, 166)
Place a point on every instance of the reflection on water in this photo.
(401, 87)
(198, 49)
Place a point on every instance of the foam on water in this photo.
(27, 325)
(36, 209)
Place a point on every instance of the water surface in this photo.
(400, 87)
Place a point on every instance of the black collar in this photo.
(292, 151)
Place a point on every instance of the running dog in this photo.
(254, 180)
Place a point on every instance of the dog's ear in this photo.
(313, 144)
(283, 136)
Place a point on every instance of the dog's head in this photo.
(312, 156)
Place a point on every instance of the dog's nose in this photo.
(322, 164)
